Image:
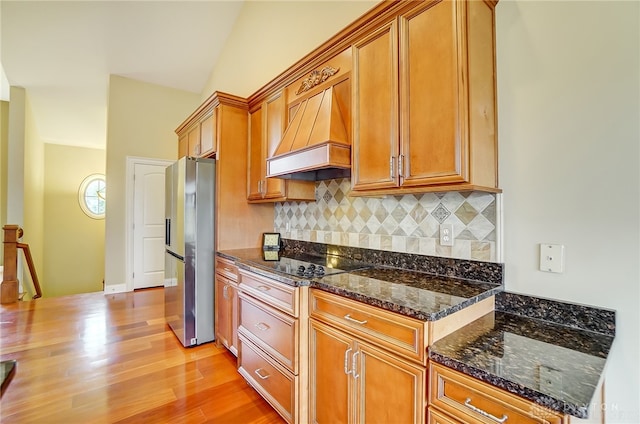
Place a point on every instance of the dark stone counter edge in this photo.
(405, 310)
(389, 306)
(582, 317)
(486, 272)
(578, 411)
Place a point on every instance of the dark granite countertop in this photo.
(411, 293)
(553, 365)
(549, 352)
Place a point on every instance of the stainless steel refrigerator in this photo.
(189, 241)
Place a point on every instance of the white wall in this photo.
(568, 113)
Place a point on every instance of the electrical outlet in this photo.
(446, 234)
(552, 258)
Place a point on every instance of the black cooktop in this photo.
(314, 266)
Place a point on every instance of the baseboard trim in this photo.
(115, 288)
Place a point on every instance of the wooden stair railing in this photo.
(9, 285)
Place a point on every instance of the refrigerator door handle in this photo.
(167, 231)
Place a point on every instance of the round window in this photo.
(92, 196)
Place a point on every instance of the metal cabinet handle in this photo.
(348, 318)
(346, 362)
(262, 326)
(467, 403)
(264, 288)
(401, 166)
(225, 292)
(392, 174)
(354, 365)
(262, 377)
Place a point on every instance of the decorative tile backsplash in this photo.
(409, 223)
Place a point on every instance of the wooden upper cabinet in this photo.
(274, 125)
(375, 110)
(208, 137)
(424, 101)
(256, 160)
(267, 124)
(183, 145)
(198, 136)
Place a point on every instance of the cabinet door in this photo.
(330, 356)
(255, 171)
(389, 389)
(434, 137)
(232, 294)
(223, 311)
(183, 145)
(375, 110)
(208, 134)
(274, 121)
(194, 141)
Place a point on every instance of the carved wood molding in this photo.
(316, 77)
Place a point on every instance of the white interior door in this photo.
(148, 225)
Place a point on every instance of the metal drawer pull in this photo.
(346, 362)
(264, 288)
(348, 318)
(467, 403)
(262, 326)
(228, 269)
(262, 377)
(354, 365)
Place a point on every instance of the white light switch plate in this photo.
(552, 258)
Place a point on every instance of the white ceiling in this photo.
(62, 53)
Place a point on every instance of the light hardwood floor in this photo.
(92, 358)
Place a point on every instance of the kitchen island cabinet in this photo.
(424, 101)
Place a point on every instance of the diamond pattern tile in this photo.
(409, 223)
(441, 213)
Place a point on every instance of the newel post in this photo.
(9, 286)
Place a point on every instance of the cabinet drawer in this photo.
(226, 268)
(277, 385)
(274, 332)
(436, 417)
(472, 401)
(397, 333)
(274, 293)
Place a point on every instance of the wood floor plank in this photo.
(95, 358)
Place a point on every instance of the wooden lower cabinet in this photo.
(272, 343)
(278, 385)
(352, 381)
(467, 400)
(227, 313)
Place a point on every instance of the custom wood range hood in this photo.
(316, 143)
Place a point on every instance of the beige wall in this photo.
(33, 196)
(270, 36)
(4, 143)
(73, 242)
(141, 121)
